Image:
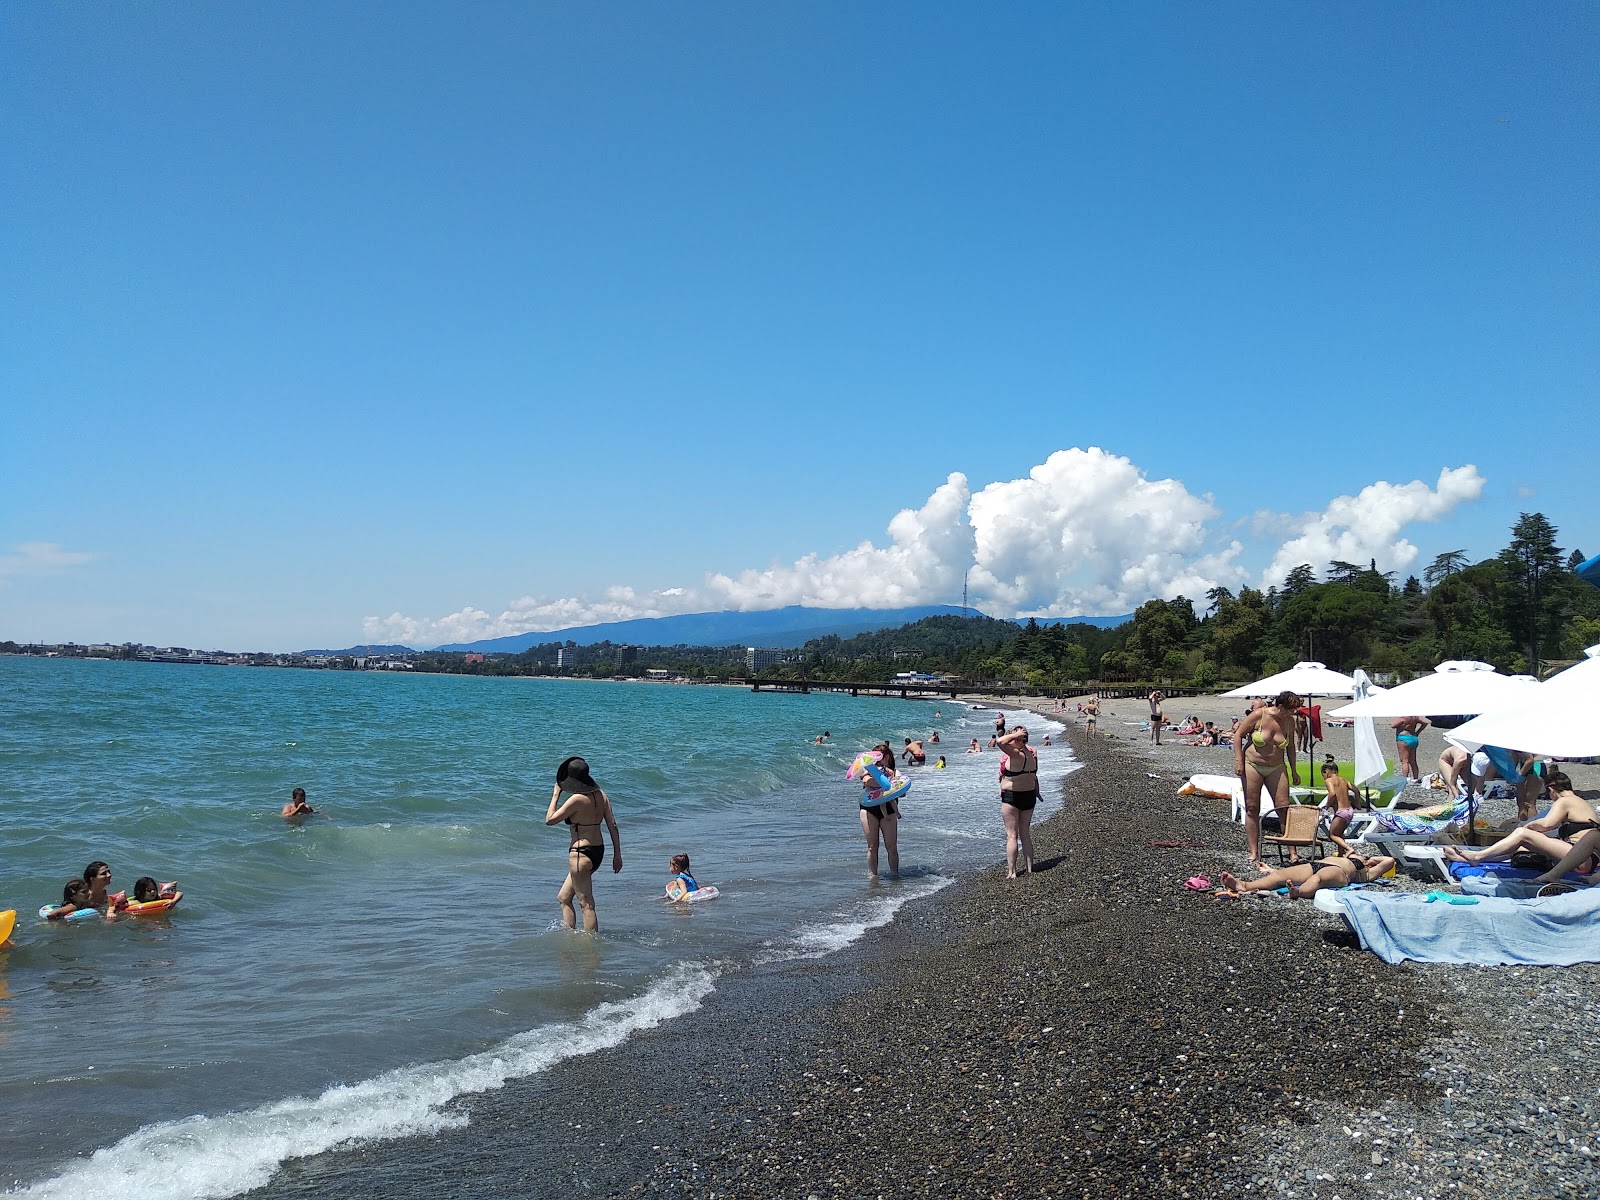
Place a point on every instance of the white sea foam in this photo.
(209, 1158)
(824, 937)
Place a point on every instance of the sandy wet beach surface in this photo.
(1093, 1030)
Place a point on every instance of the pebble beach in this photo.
(1095, 1029)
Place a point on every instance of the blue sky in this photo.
(327, 322)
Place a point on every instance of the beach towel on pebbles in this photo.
(1556, 931)
(1501, 879)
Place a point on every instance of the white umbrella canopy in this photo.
(1465, 688)
(1560, 717)
(1303, 679)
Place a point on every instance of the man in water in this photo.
(297, 810)
(914, 753)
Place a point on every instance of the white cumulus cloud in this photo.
(39, 558)
(1366, 526)
(929, 548)
(1085, 532)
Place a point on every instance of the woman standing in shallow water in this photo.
(585, 809)
(1019, 792)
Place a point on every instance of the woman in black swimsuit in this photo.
(1019, 792)
(585, 809)
(881, 820)
(1305, 879)
(1550, 838)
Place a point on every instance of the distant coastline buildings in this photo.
(757, 657)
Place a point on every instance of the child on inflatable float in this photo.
(682, 885)
(76, 903)
(150, 897)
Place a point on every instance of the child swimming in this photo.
(682, 882)
(75, 897)
(297, 809)
(146, 889)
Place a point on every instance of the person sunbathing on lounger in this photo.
(1584, 854)
(1308, 878)
(1570, 819)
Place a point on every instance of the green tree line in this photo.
(1521, 610)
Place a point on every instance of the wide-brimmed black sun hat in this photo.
(573, 774)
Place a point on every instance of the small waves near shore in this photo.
(359, 979)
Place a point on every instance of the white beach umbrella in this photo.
(1464, 688)
(1560, 717)
(1303, 679)
(1370, 762)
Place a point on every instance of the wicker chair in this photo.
(1299, 831)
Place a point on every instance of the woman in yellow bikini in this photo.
(1263, 755)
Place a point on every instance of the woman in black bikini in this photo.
(585, 809)
(881, 819)
(1550, 837)
(1307, 878)
(1019, 792)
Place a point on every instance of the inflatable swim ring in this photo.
(8, 922)
(151, 908)
(894, 791)
(885, 787)
(83, 914)
(678, 890)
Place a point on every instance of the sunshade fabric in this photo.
(1303, 679)
(1454, 688)
(1560, 717)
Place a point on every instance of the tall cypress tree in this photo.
(1536, 595)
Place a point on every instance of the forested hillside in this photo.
(1521, 610)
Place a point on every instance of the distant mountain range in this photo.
(778, 628)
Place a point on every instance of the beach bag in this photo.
(1531, 860)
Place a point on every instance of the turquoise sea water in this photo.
(345, 981)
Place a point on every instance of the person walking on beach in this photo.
(1407, 737)
(1092, 711)
(1265, 740)
(1156, 715)
(585, 809)
(1019, 792)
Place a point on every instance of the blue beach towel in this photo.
(1556, 931)
(1502, 879)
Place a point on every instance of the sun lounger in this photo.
(1555, 931)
